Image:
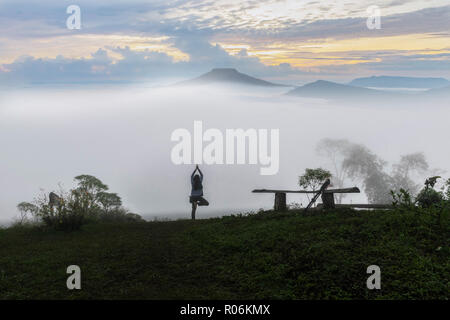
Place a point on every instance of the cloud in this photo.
(261, 19)
(134, 65)
(430, 20)
(150, 65)
(191, 26)
(417, 63)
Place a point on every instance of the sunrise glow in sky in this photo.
(288, 40)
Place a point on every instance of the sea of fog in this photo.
(122, 135)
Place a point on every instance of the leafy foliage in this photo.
(68, 214)
(89, 201)
(109, 200)
(313, 178)
(429, 201)
(428, 197)
(402, 199)
(90, 184)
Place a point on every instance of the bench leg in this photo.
(328, 201)
(280, 202)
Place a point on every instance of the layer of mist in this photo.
(122, 136)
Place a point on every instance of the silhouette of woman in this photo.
(196, 197)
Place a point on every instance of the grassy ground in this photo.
(268, 255)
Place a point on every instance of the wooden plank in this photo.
(282, 191)
(344, 190)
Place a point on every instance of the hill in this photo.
(266, 255)
(399, 82)
(331, 90)
(229, 76)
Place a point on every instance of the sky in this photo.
(66, 112)
(290, 41)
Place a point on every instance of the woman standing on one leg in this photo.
(196, 197)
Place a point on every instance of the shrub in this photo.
(428, 197)
(89, 201)
(67, 215)
(402, 199)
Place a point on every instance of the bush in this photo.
(88, 202)
(428, 197)
(402, 199)
(68, 214)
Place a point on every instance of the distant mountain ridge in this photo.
(400, 82)
(331, 90)
(229, 76)
(358, 90)
(365, 96)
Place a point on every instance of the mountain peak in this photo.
(229, 76)
(224, 70)
(327, 89)
(322, 82)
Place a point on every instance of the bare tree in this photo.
(356, 162)
(403, 171)
(362, 164)
(336, 151)
(25, 208)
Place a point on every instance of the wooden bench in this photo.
(327, 196)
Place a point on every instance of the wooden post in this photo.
(194, 208)
(328, 201)
(280, 201)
